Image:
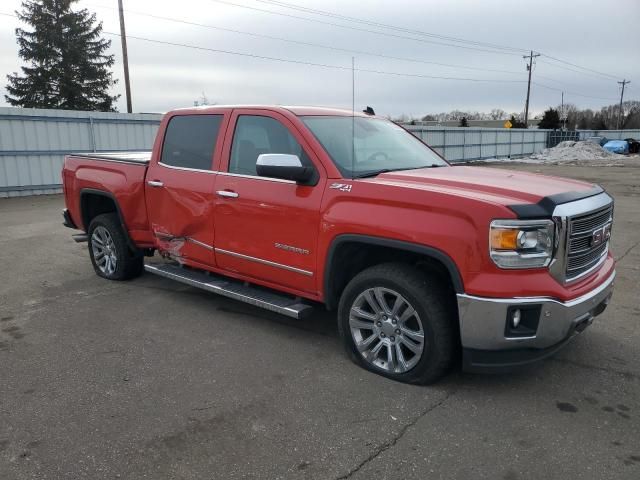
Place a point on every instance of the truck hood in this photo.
(505, 187)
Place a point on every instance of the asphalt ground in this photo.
(152, 379)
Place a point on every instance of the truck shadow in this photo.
(577, 355)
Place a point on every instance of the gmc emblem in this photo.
(600, 235)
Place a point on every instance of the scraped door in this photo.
(180, 188)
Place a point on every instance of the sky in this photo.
(600, 37)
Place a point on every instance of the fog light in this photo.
(522, 320)
(515, 319)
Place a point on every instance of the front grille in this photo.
(583, 253)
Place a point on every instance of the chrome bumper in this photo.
(483, 320)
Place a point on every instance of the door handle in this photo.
(155, 183)
(227, 194)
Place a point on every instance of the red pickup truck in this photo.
(289, 208)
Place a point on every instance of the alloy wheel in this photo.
(104, 250)
(386, 330)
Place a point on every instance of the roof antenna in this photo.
(368, 111)
(353, 115)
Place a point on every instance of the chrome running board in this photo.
(257, 296)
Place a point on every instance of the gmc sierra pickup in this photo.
(288, 208)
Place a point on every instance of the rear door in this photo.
(267, 228)
(179, 190)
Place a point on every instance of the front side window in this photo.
(255, 135)
(190, 141)
(363, 146)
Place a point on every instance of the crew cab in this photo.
(294, 208)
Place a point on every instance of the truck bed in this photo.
(119, 176)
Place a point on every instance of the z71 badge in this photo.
(343, 187)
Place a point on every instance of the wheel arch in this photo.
(95, 202)
(355, 250)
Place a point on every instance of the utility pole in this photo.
(125, 57)
(563, 116)
(623, 83)
(531, 56)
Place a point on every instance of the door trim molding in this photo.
(264, 262)
(199, 243)
(170, 238)
(256, 177)
(186, 169)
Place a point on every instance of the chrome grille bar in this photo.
(585, 252)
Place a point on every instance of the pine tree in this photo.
(67, 64)
(550, 119)
(516, 123)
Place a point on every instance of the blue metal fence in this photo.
(33, 142)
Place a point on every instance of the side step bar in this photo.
(235, 289)
(80, 237)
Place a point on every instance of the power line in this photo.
(310, 44)
(581, 72)
(329, 47)
(336, 67)
(386, 34)
(387, 26)
(419, 32)
(582, 68)
(313, 64)
(572, 93)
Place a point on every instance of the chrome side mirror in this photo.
(284, 166)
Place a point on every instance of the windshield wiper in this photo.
(375, 173)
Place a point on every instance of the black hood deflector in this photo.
(545, 207)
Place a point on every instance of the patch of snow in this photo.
(571, 151)
(574, 153)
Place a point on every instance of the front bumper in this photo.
(488, 345)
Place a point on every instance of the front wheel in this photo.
(398, 322)
(109, 251)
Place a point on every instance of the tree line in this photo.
(574, 119)
(607, 118)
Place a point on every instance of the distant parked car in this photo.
(634, 145)
(617, 146)
(599, 140)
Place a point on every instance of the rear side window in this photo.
(255, 135)
(190, 141)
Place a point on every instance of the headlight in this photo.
(521, 243)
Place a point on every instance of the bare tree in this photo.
(497, 114)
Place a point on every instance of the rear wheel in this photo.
(109, 251)
(397, 321)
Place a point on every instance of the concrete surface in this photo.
(150, 379)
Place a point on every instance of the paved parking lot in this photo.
(152, 379)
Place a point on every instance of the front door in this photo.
(266, 228)
(180, 187)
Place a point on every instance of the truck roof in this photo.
(298, 110)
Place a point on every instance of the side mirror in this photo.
(284, 166)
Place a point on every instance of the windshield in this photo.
(379, 145)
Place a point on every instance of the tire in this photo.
(399, 332)
(109, 250)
